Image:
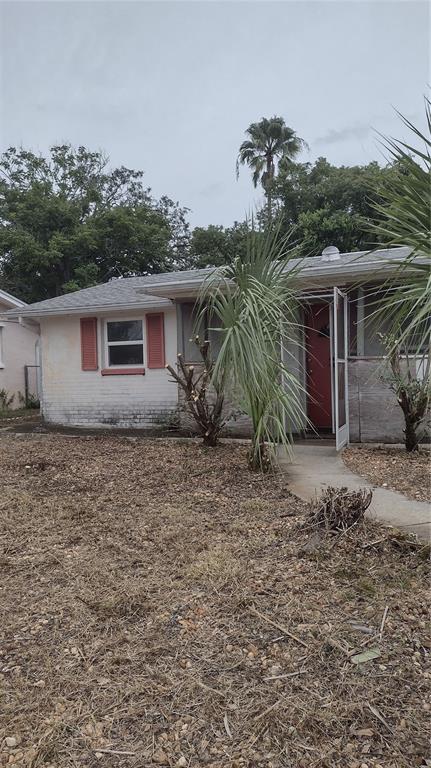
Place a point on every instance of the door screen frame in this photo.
(340, 350)
(339, 360)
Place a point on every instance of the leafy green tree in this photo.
(329, 205)
(213, 246)
(69, 221)
(270, 143)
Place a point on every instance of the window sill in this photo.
(123, 371)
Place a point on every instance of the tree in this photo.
(206, 410)
(252, 304)
(411, 384)
(213, 246)
(271, 143)
(403, 218)
(328, 205)
(69, 221)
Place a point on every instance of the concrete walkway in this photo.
(315, 466)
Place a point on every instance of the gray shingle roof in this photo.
(129, 293)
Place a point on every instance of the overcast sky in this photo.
(170, 87)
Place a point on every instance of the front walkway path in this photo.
(315, 466)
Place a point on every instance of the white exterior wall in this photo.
(17, 349)
(71, 396)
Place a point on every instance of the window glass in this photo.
(125, 330)
(216, 338)
(373, 325)
(191, 352)
(352, 321)
(125, 342)
(126, 354)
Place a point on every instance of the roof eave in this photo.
(325, 273)
(89, 311)
(7, 298)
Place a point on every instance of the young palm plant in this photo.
(253, 304)
(406, 220)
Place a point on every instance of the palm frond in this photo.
(269, 141)
(252, 305)
(405, 219)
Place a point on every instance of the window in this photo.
(191, 352)
(125, 342)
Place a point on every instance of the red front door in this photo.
(318, 365)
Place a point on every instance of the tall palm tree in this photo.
(270, 142)
(252, 304)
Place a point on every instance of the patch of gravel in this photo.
(161, 606)
(409, 473)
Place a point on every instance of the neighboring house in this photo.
(104, 349)
(19, 342)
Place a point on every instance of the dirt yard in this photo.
(160, 606)
(409, 473)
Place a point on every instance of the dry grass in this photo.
(409, 473)
(161, 606)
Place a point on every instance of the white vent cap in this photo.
(331, 253)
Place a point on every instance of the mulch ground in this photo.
(409, 473)
(163, 607)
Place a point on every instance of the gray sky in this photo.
(170, 87)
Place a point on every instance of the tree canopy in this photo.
(330, 205)
(321, 204)
(69, 221)
(214, 246)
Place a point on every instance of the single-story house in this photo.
(19, 350)
(104, 349)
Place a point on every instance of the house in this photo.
(19, 348)
(104, 349)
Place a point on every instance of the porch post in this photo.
(180, 332)
(360, 330)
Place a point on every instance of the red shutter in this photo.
(155, 341)
(89, 343)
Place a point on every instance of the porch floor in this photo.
(315, 466)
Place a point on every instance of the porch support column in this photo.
(360, 330)
(180, 332)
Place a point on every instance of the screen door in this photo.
(340, 354)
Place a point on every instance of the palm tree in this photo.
(270, 142)
(252, 304)
(405, 219)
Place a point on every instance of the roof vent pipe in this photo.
(331, 253)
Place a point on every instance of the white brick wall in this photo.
(17, 349)
(71, 396)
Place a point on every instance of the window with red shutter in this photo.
(155, 340)
(89, 343)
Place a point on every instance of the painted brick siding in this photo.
(72, 396)
(239, 425)
(17, 349)
(374, 413)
